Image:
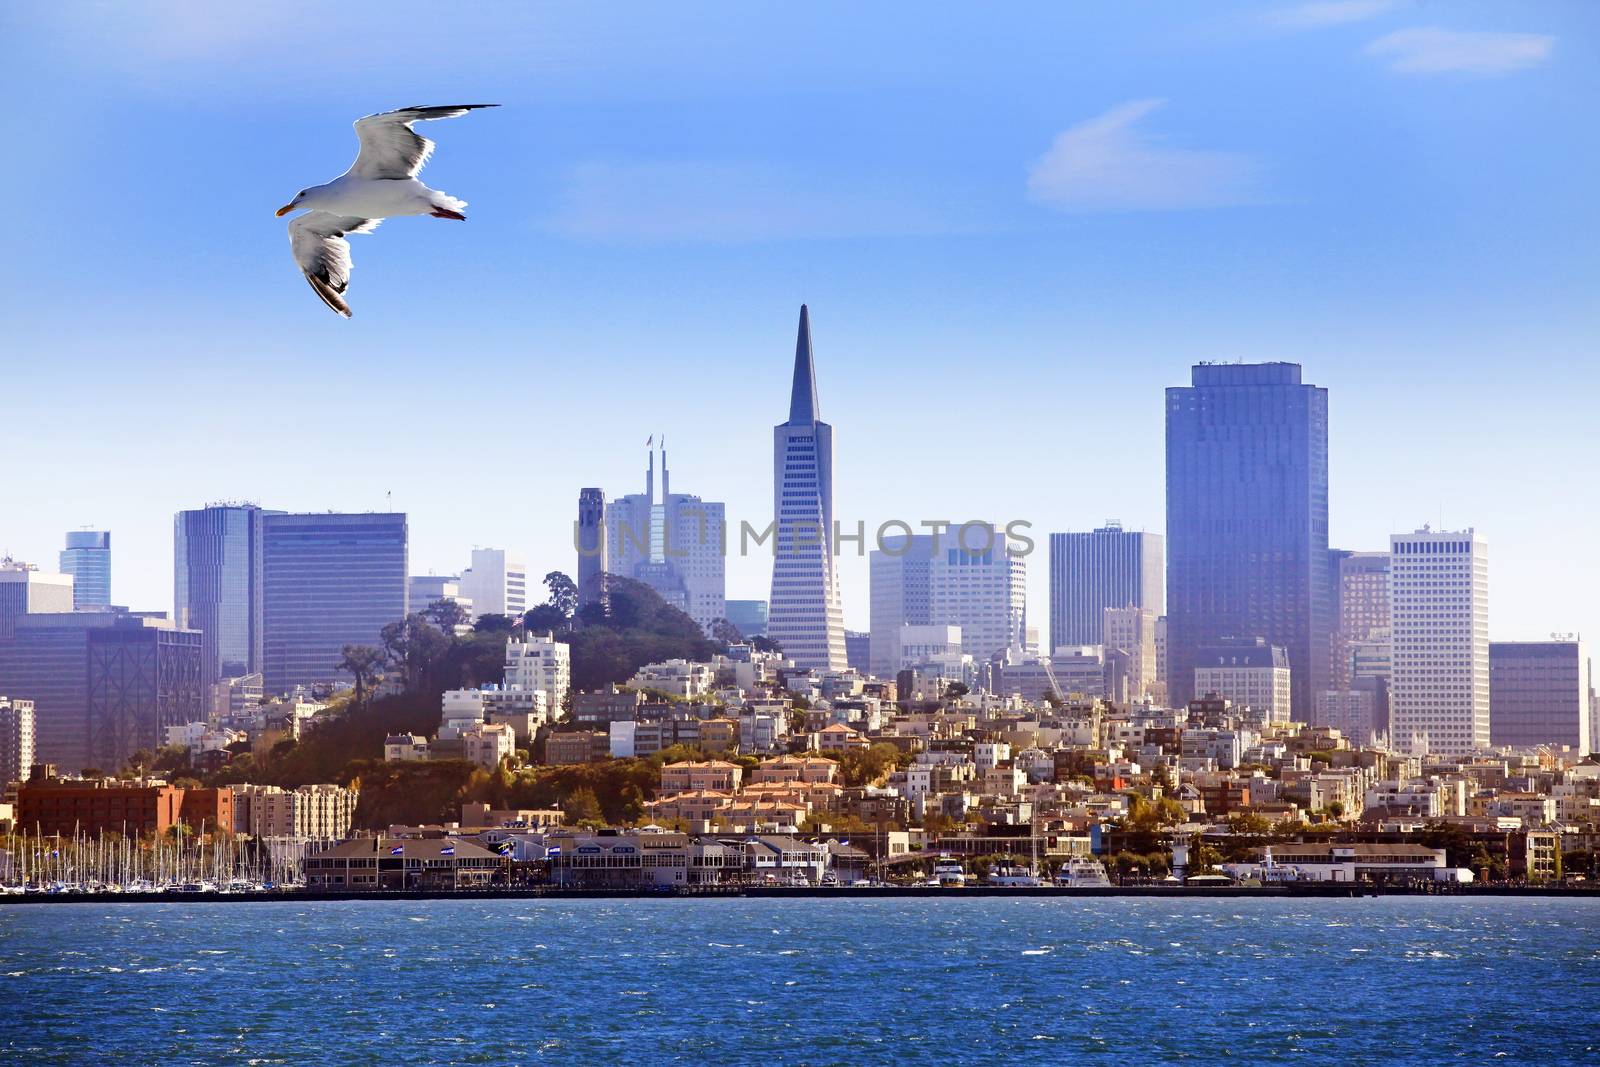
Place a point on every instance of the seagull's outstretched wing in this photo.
(320, 249)
(390, 148)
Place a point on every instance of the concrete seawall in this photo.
(1311, 889)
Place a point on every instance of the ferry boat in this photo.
(1082, 872)
(1010, 874)
(948, 873)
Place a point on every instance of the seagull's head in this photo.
(298, 202)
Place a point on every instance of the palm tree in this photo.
(362, 662)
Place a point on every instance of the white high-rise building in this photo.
(25, 589)
(540, 664)
(496, 584)
(672, 542)
(425, 590)
(977, 580)
(805, 615)
(1439, 683)
(1132, 631)
(16, 739)
(899, 597)
(971, 576)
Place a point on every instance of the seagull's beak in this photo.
(284, 210)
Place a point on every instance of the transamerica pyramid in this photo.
(805, 615)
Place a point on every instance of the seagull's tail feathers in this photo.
(446, 202)
(329, 295)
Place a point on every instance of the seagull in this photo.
(382, 182)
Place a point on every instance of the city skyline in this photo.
(754, 560)
(1126, 536)
(1352, 241)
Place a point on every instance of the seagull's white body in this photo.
(378, 198)
(382, 183)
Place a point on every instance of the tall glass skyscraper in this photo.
(328, 580)
(1247, 521)
(1105, 568)
(805, 615)
(87, 558)
(216, 554)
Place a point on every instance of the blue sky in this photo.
(1013, 228)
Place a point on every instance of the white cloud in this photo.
(1315, 16)
(1108, 164)
(1430, 50)
(727, 202)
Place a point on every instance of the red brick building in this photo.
(207, 809)
(68, 806)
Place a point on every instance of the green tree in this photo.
(563, 593)
(726, 632)
(361, 662)
(581, 807)
(544, 618)
(634, 627)
(415, 648)
(1148, 815)
(956, 690)
(1249, 824)
(864, 766)
(447, 615)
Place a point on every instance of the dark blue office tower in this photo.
(1247, 521)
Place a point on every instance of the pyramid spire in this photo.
(803, 398)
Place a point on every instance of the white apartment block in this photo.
(486, 745)
(1249, 674)
(540, 664)
(315, 812)
(918, 644)
(17, 739)
(676, 677)
(1439, 684)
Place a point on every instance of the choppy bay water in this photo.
(1109, 980)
